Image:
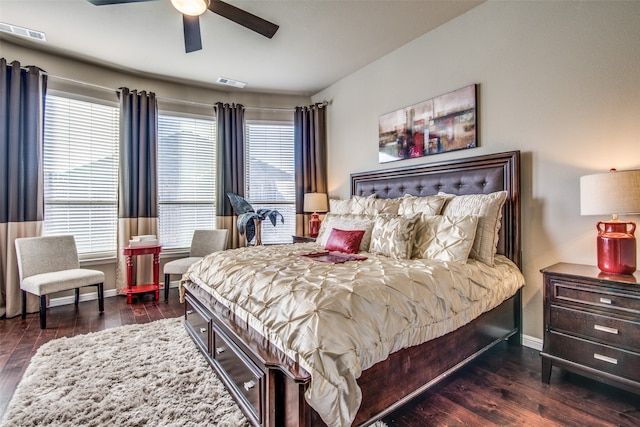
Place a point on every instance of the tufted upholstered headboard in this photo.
(474, 175)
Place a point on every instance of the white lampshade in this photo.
(611, 193)
(191, 7)
(315, 202)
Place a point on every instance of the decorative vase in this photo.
(258, 238)
(616, 247)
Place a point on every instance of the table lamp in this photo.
(614, 193)
(315, 202)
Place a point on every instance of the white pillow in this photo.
(361, 205)
(340, 206)
(392, 236)
(346, 222)
(430, 205)
(488, 207)
(384, 206)
(445, 238)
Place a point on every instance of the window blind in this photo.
(81, 173)
(186, 178)
(270, 176)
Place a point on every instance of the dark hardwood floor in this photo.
(501, 388)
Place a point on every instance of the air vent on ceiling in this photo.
(230, 82)
(24, 32)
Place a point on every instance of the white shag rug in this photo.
(137, 375)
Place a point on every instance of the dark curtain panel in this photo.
(138, 177)
(310, 147)
(230, 167)
(22, 101)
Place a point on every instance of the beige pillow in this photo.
(360, 205)
(384, 206)
(445, 238)
(340, 206)
(430, 205)
(392, 236)
(488, 207)
(346, 222)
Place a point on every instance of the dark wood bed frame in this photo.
(269, 387)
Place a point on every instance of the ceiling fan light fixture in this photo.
(191, 7)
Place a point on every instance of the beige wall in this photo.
(63, 71)
(559, 81)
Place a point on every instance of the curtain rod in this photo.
(183, 101)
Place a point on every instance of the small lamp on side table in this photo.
(615, 192)
(315, 202)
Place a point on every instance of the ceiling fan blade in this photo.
(106, 2)
(244, 18)
(192, 40)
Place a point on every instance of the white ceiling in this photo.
(319, 41)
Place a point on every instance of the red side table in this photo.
(130, 252)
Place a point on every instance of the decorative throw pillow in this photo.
(488, 207)
(344, 240)
(445, 238)
(383, 206)
(392, 236)
(430, 205)
(346, 222)
(340, 206)
(363, 205)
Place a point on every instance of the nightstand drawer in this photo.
(592, 295)
(601, 357)
(605, 329)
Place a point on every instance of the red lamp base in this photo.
(314, 225)
(616, 247)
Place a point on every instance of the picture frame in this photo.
(445, 123)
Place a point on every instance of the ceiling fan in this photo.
(191, 11)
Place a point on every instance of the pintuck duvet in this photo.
(336, 320)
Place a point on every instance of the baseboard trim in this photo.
(90, 296)
(532, 342)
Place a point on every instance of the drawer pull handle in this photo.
(203, 330)
(605, 329)
(219, 350)
(249, 385)
(189, 311)
(605, 300)
(605, 358)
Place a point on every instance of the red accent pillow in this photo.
(344, 240)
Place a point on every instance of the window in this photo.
(270, 176)
(81, 173)
(186, 178)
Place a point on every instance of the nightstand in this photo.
(592, 324)
(303, 239)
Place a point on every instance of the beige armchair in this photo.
(50, 264)
(203, 243)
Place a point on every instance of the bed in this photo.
(269, 382)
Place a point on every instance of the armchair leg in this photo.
(101, 297)
(43, 312)
(77, 296)
(167, 280)
(24, 304)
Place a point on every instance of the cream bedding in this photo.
(338, 319)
